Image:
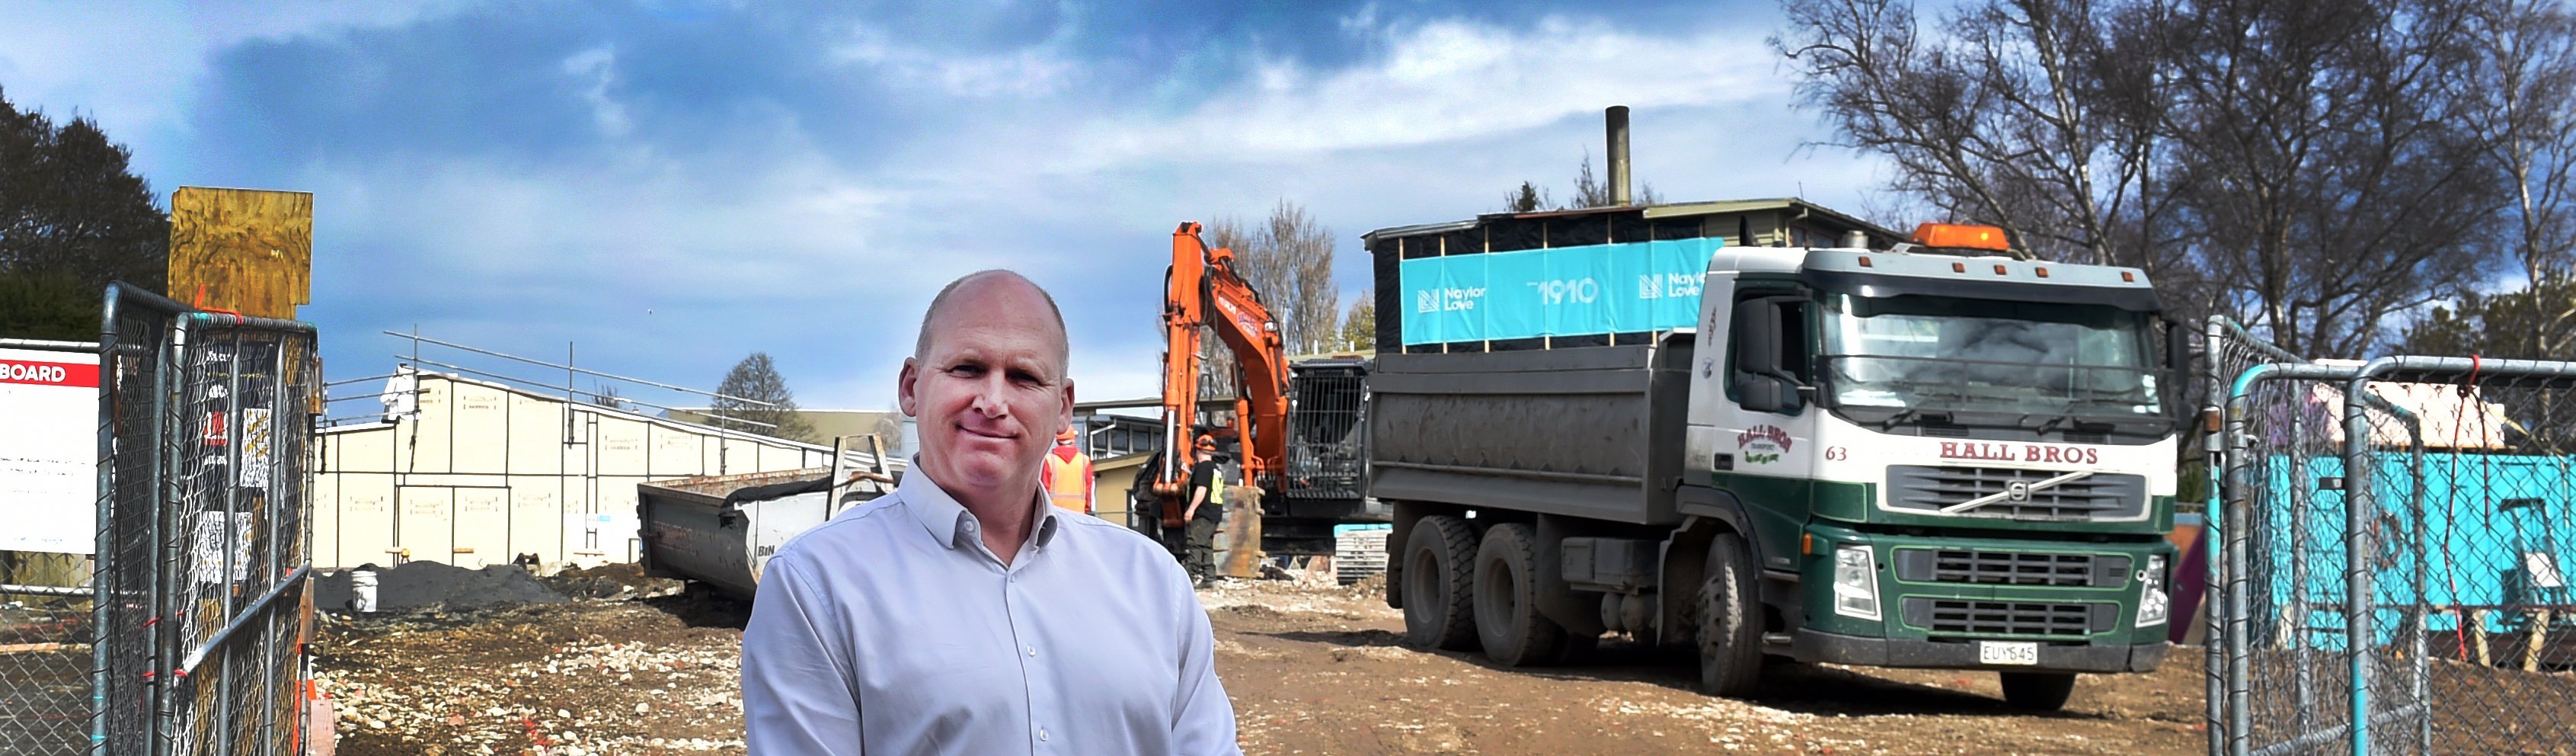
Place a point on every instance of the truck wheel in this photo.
(2037, 691)
(1437, 583)
(1730, 638)
(1507, 618)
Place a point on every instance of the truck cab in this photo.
(1946, 459)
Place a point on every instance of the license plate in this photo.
(1998, 652)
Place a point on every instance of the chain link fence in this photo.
(189, 636)
(46, 654)
(2394, 535)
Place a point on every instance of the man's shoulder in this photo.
(1111, 538)
(870, 522)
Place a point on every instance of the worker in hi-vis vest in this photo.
(1067, 474)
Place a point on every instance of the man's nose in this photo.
(988, 397)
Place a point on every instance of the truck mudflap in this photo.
(1813, 646)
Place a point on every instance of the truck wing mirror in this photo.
(2177, 348)
(1761, 393)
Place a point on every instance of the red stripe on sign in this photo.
(49, 373)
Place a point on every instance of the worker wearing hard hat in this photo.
(1206, 510)
(1067, 473)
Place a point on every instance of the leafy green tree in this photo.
(772, 405)
(73, 217)
(1359, 326)
(2537, 322)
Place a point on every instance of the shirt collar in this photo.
(949, 523)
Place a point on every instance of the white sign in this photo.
(49, 451)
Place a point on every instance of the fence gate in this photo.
(205, 421)
(2392, 544)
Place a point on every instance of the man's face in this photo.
(989, 390)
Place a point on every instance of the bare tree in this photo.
(1590, 191)
(2037, 116)
(604, 395)
(2326, 164)
(1288, 260)
(2521, 93)
(772, 406)
(2294, 163)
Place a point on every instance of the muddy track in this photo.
(1312, 668)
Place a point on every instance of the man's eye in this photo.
(1024, 377)
(967, 370)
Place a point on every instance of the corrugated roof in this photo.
(1417, 230)
(1774, 203)
(1667, 210)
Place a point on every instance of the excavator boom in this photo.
(1204, 293)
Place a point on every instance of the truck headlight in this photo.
(1855, 583)
(2153, 602)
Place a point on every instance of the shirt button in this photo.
(1033, 651)
(1042, 734)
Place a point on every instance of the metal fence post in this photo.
(103, 593)
(2359, 473)
(2215, 526)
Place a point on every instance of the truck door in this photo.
(1751, 423)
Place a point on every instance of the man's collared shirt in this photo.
(891, 629)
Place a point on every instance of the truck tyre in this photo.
(1507, 618)
(1730, 636)
(1438, 610)
(2037, 691)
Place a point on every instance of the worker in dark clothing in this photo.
(1206, 509)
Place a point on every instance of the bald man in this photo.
(963, 614)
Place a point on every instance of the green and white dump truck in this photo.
(1766, 429)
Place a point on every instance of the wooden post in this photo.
(1241, 537)
(2539, 637)
(2478, 620)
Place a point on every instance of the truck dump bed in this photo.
(722, 529)
(1591, 432)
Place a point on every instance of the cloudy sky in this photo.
(673, 185)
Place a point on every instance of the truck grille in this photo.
(1976, 567)
(2101, 496)
(1944, 616)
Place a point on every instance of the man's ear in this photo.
(1067, 415)
(905, 397)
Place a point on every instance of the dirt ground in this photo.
(1313, 668)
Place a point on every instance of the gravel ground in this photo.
(1312, 668)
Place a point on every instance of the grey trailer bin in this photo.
(720, 530)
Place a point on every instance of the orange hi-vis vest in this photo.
(1067, 477)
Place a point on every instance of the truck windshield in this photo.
(1948, 354)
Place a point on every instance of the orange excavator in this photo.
(1203, 292)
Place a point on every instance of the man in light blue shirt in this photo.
(962, 614)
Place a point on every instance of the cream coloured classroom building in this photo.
(478, 473)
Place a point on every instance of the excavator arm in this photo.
(1203, 292)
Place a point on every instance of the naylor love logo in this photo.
(1762, 444)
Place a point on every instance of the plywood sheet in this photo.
(249, 250)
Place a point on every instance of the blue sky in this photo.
(673, 185)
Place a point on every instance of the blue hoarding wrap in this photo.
(1566, 291)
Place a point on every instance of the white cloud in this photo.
(1027, 71)
(1444, 81)
(596, 68)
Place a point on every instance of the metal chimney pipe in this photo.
(1617, 118)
